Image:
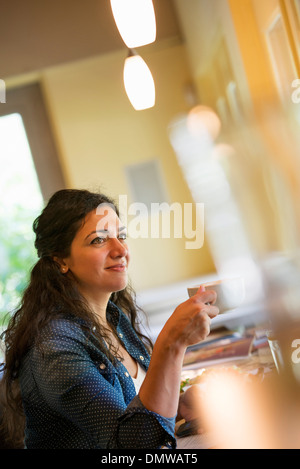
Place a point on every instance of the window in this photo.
(29, 103)
(29, 174)
(21, 201)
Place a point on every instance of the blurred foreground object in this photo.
(243, 413)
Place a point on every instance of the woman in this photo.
(76, 360)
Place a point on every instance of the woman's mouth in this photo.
(117, 267)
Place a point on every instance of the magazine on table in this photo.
(231, 346)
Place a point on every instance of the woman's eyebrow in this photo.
(121, 228)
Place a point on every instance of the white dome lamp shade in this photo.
(138, 82)
(135, 20)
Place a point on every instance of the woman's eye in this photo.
(101, 240)
(98, 240)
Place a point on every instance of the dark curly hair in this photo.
(50, 294)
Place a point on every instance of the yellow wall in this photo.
(99, 133)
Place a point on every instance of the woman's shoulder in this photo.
(65, 325)
(62, 335)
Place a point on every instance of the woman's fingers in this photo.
(206, 296)
(208, 299)
(211, 311)
(190, 322)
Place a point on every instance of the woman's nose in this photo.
(118, 248)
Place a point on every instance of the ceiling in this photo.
(36, 34)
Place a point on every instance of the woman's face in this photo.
(99, 254)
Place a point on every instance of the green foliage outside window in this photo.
(17, 257)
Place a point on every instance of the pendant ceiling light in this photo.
(135, 20)
(138, 82)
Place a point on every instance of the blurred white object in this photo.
(192, 137)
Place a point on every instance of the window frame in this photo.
(28, 101)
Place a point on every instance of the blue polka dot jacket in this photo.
(74, 397)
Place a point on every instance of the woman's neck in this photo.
(98, 304)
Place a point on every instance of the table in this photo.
(204, 441)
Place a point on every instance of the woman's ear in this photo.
(62, 265)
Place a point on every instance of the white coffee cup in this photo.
(230, 292)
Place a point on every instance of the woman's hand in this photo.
(190, 322)
(189, 410)
(189, 404)
(188, 325)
